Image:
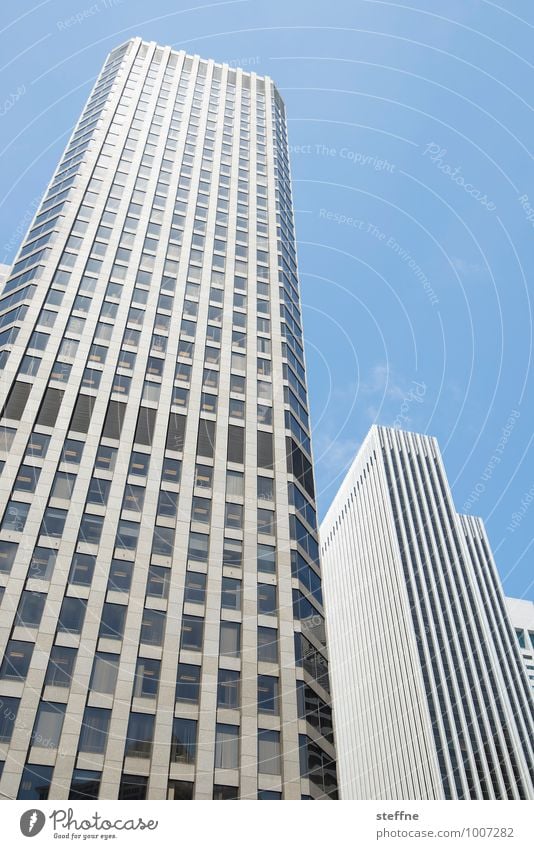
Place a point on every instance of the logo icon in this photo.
(32, 822)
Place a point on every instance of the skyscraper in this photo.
(161, 623)
(430, 697)
(521, 613)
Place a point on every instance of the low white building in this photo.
(521, 613)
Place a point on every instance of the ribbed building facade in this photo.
(161, 621)
(430, 695)
(521, 613)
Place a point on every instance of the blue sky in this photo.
(414, 191)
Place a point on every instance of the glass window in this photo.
(127, 535)
(140, 735)
(98, 491)
(121, 384)
(268, 645)
(139, 464)
(27, 477)
(53, 522)
(266, 558)
(106, 458)
(39, 341)
(85, 784)
(69, 348)
(48, 725)
(192, 633)
(230, 641)
(7, 435)
(198, 548)
(133, 787)
(231, 593)
(153, 627)
(63, 485)
(226, 746)
(104, 673)
(112, 622)
(60, 666)
(188, 683)
(120, 576)
(37, 445)
(91, 380)
(42, 563)
(233, 552)
(82, 569)
(203, 476)
(268, 694)
(15, 516)
(72, 615)
(265, 521)
(237, 384)
(236, 408)
(195, 587)
(8, 551)
(30, 365)
(72, 451)
(91, 529)
(171, 470)
(163, 541)
(16, 662)
(265, 489)
(228, 689)
(35, 782)
(167, 504)
(233, 515)
(267, 599)
(201, 510)
(158, 582)
(271, 794)
(180, 789)
(94, 733)
(30, 609)
(269, 752)
(222, 792)
(184, 741)
(520, 637)
(234, 484)
(61, 372)
(146, 680)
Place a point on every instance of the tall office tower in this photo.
(162, 621)
(430, 698)
(521, 613)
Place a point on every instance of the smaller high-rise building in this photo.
(430, 696)
(521, 613)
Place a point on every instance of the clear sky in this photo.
(411, 132)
